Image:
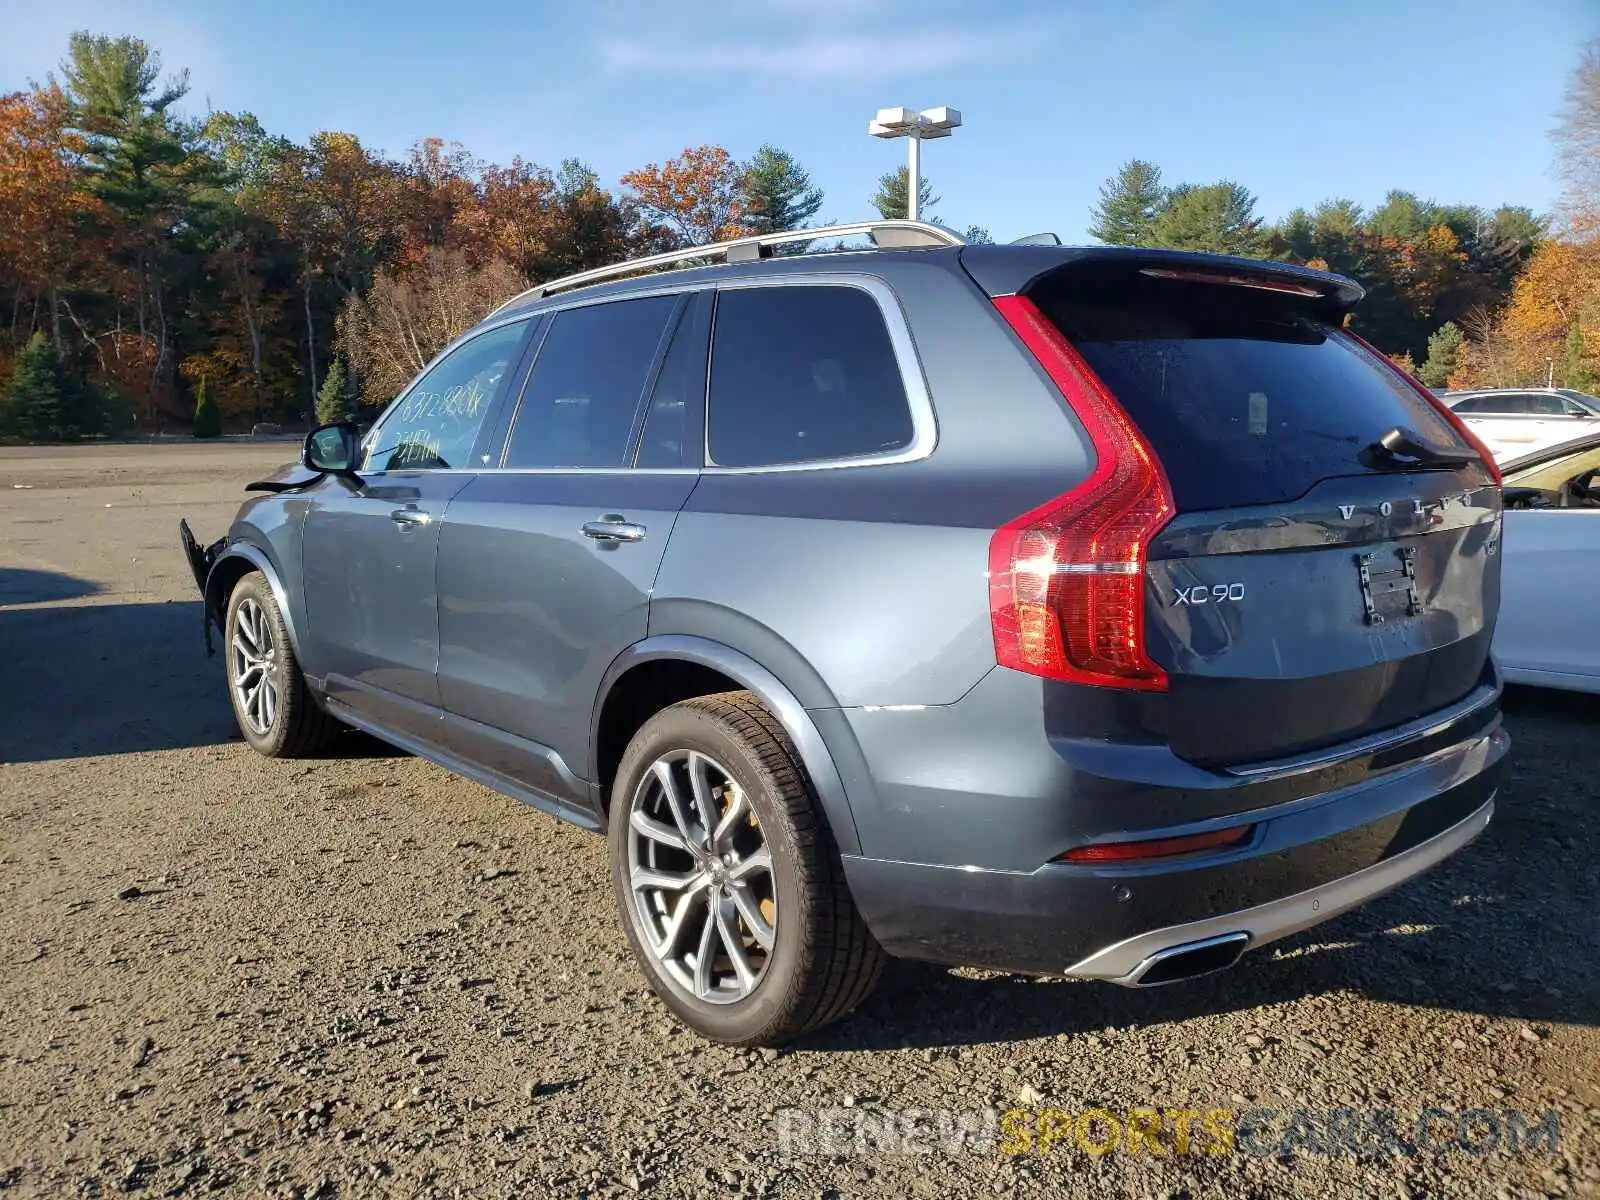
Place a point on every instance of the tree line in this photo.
(1461, 295)
(159, 270)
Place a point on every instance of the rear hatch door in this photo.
(1312, 588)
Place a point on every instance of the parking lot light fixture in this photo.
(914, 126)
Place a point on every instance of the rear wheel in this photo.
(275, 710)
(730, 886)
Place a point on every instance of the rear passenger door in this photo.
(548, 558)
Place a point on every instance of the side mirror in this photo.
(332, 449)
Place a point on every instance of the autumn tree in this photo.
(893, 196)
(1129, 202)
(777, 193)
(41, 206)
(407, 317)
(698, 195)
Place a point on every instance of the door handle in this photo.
(409, 518)
(613, 528)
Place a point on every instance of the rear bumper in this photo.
(1306, 860)
(1130, 961)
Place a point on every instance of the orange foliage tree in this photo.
(697, 195)
(41, 201)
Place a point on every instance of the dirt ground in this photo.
(362, 976)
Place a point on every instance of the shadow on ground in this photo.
(95, 679)
(20, 585)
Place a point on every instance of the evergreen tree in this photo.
(1219, 217)
(333, 401)
(1444, 346)
(207, 419)
(894, 191)
(777, 192)
(1576, 368)
(36, 402)
(1129, 201)
(977, 235)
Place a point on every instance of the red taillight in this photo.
(1158, 847)
(1066, 581)
(1444, 410)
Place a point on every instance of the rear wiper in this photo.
(1399, 444)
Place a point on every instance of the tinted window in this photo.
(1546, 404)
(800, 374)
(434, 425)
(1478, 404)
(1245, 398)
(580, 402)
(680, 389)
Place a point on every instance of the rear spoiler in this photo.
(1011, 270)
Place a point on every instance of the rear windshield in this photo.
(1245, 396)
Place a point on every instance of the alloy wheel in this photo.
(253, 657)
(700, 877)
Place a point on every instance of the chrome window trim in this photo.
(924, 424)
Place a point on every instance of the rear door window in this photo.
(803, 373)
(1245, 397)
(583, 397)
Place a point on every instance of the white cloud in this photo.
(819, 56)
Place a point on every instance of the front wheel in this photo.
(730, 886)
(271, 702)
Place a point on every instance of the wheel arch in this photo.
(232, 565)
(751, 676)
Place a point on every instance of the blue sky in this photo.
(1452, 99)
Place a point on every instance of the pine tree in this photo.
(1129, 201)
(207, 419)
(36, 396)
(333, 401)
(778, 193)
(1576, 367)
(894, 190)
(1219, 217)
(1444, 347)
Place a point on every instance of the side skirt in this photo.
(533, 797)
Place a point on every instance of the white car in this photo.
(1546, 633)
(1516, 421)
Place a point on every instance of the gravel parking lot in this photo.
(362, 976)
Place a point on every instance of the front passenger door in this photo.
(368, 552)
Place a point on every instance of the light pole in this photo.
(914, 126)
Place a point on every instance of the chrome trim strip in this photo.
(1127, 960)
(1480, 698)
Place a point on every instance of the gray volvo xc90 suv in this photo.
(1097, 612)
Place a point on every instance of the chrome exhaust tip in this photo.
(1188, 961)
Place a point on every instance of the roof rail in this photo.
(885, 235)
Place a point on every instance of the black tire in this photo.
(298, 727)
(823, 961)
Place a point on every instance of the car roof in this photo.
(998, 269)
